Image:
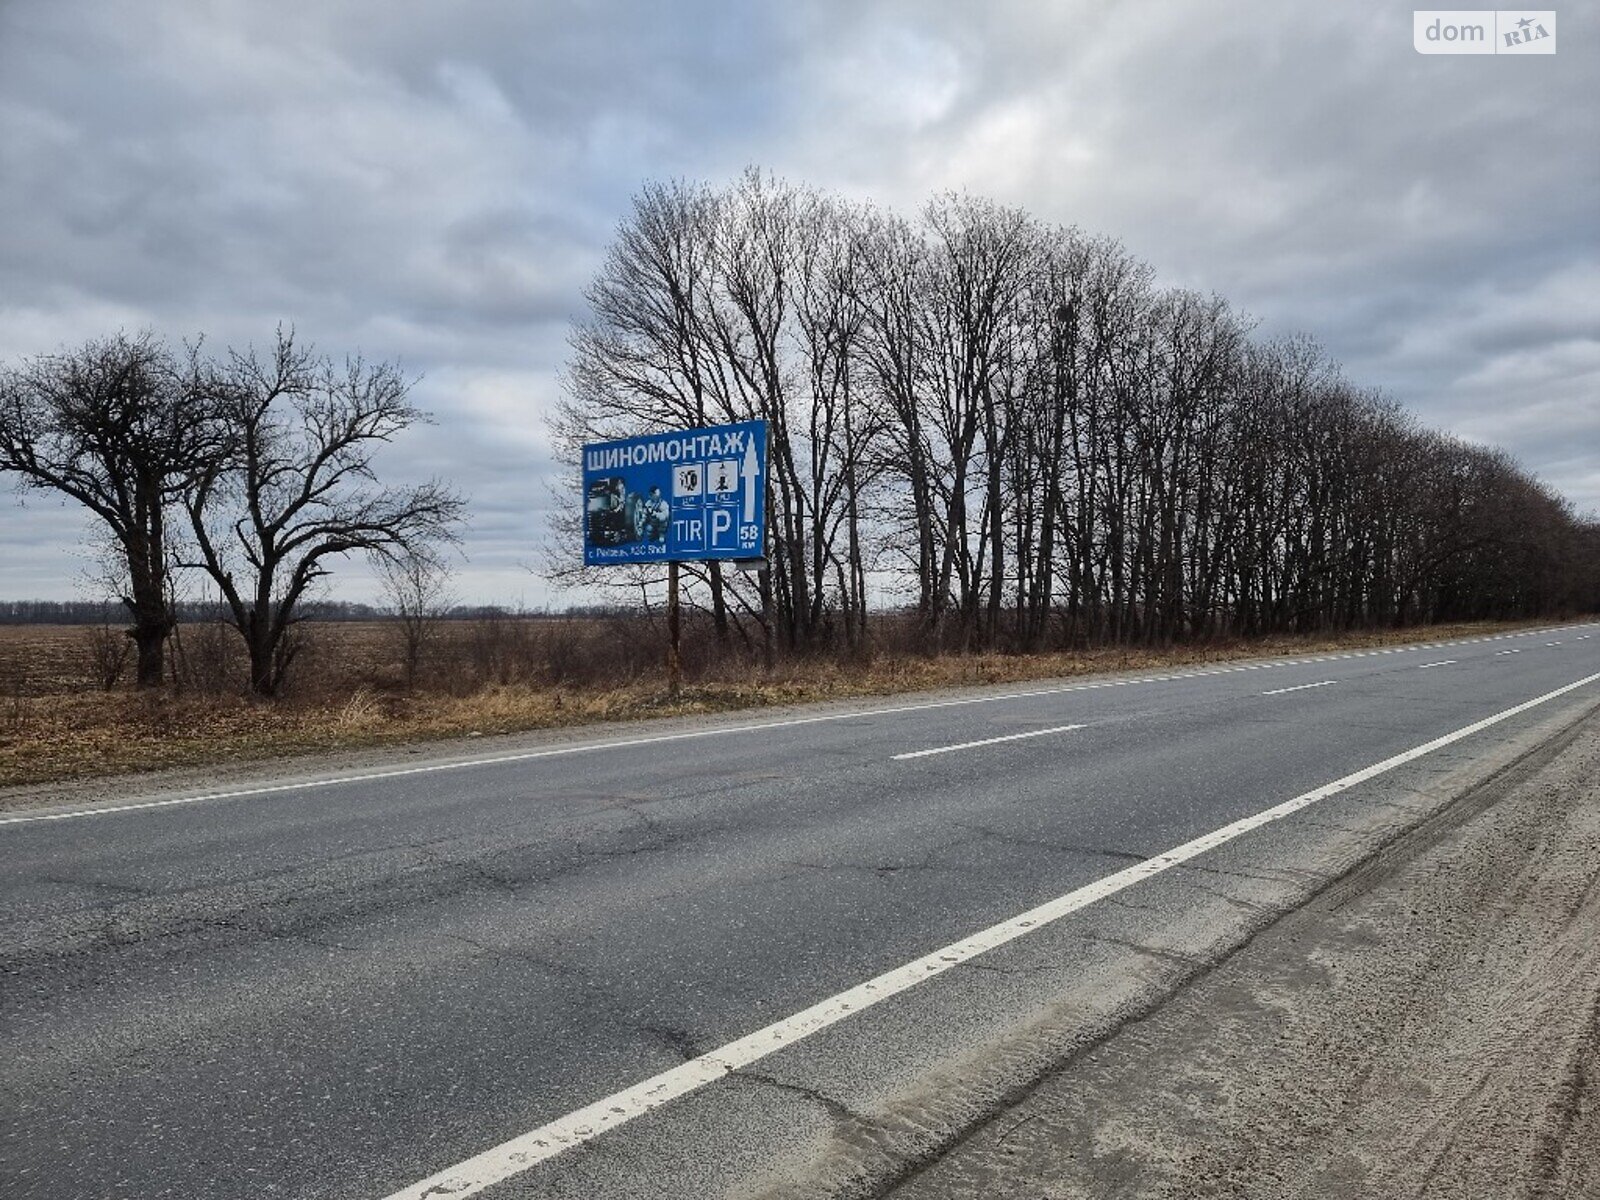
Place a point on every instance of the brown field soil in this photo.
(57, 724)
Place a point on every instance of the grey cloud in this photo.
(436, 183)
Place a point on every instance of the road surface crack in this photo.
(1277, 877)
(1189, 962)
(1249, 906)
(846, 1117)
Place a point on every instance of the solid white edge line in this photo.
(1010, 737)
(518, 1154)
(1300, 687)
(754, 727)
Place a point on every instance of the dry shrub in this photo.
(300, 661)
(14, 688)
(360, 711)
(208, 658)
(501, 649)
(607, 651)
(105, 650)
(562, 656)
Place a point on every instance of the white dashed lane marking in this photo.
(1300, 687)
(518, 1154)
(1010, 737)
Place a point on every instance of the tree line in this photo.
(253, 469)
(106, 612)
(1013, 429)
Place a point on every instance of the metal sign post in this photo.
(674, 663)
(691, 495)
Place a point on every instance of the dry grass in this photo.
(55, 724)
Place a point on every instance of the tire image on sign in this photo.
(612, 513)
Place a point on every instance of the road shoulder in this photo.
(1429, 1026)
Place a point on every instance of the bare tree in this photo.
(295, 488)
(1004, 418)
(840, 423)
(645, 359)
(417, 589)
(112, 425)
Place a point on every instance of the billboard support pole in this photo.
(674, 663)
(765, 581)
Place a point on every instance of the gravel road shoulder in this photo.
(1427, 1027)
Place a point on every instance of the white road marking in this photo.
(1444, 662)
(584, 748)
(1498, 653)
(1300, 687)
(754, 727)
(526, 1150)
(1010, 737)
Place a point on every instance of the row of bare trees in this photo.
(253, 470)
(1013, 428)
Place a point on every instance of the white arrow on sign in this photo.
(748, 474)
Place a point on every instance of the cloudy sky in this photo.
(435, 183)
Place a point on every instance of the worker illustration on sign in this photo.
(654, 514)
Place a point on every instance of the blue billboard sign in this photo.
(687, 496)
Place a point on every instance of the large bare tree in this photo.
(1014, 424)
(112, 425)
(295, 489)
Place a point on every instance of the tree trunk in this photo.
(147, 602)
(151, 652)
(263, 657)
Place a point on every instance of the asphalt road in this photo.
(339, 987)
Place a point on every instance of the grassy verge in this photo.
(50, 738)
